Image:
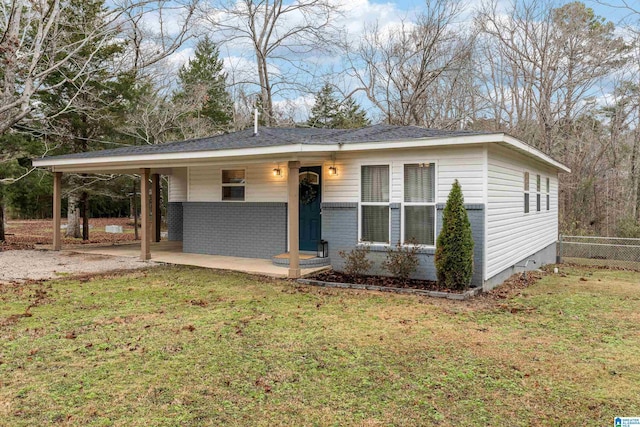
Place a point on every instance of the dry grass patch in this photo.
(186, 346)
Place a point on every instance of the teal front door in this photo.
(310, 197)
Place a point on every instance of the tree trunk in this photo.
(85, 216)
(2, 237)
(73, 217)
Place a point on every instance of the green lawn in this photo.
(190, 347)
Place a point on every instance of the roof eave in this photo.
(141, 160)
(516, 143)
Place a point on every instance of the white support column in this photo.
(57, 210)
(294, 215)
(145, 235)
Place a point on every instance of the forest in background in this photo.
(88, 75)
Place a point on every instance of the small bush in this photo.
(356, 262)
(402, 261)
(454, 248)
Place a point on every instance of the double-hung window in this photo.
(233, 185)
(419, 203)
(538, 195)
(374, 204)
(526, 192)
(548, 207)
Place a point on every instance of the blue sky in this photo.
(239, 57)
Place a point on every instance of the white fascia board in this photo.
(516, 143)
(127, 161)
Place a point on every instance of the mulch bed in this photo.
(389, 282)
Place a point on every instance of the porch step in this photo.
(306, 260)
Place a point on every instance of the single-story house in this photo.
(262, 193)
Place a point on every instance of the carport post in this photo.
(145, 235)
(155, 207)
(294, 215)
(57, 210)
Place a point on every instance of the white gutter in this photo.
(128, 159)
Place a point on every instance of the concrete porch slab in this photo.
(171, 253)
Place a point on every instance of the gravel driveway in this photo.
(18, 266)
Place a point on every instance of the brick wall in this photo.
(174, 220)
(340, 229)
(251, 230)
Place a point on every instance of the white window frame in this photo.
(526, 190)
(538, 193)
(223, 184)
(361, 203)
(548, 193)
(434, 204)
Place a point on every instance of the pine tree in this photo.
(329, 113)
(454, 248)
(80, 118)
(352, 116)
(204, 81)
(326, 109)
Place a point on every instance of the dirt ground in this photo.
(25, 265)
(25, 234)
(19, 262)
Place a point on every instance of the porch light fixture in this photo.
(323, 249)
(277, 171)
(333, 170)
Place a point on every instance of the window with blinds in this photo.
(233, 185)
(419, 203)
(374, 204)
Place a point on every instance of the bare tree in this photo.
(155, 117)
(419, 73)
(34, 44)
(544, 70)
(543, 64)
(46, 49)
(282, 35)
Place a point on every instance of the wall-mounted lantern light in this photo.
(333, 170)
(277, 171)
(323, 249)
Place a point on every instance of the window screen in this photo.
(375, 184)
(374, 214)
(419, 182)
(375, 224)
(419, 206)
(419, 224)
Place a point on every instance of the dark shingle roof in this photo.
(278, 136)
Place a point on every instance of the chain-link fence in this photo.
(606, 251)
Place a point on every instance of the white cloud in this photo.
(180, 57)
(296, 109)
(358, 14)
(165, 20)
